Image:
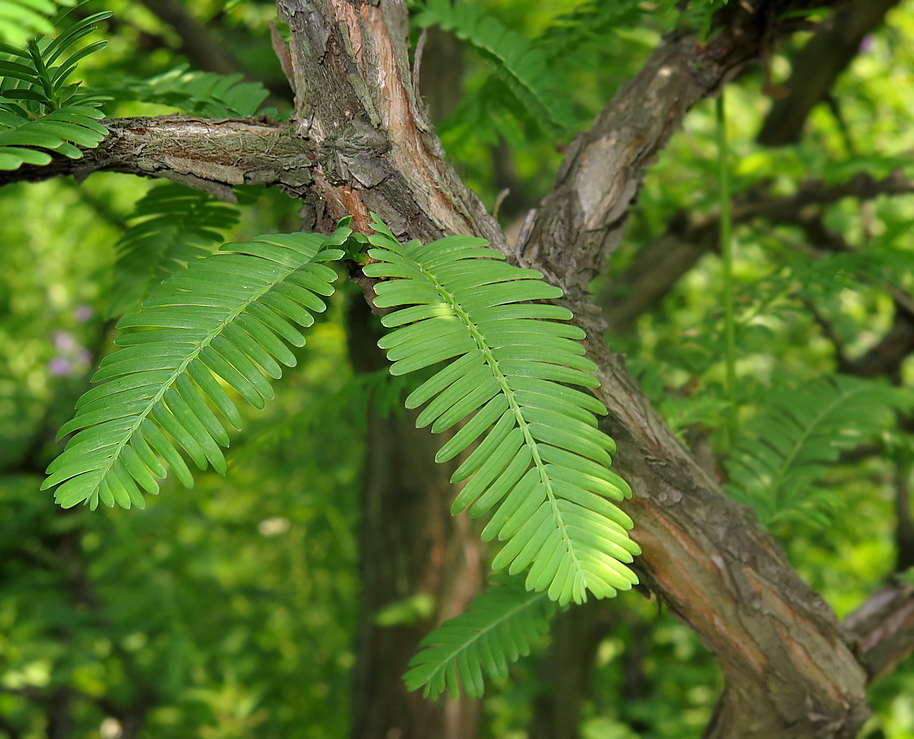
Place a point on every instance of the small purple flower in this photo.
(64, 342)
(60, 367)
(72, 357)
(82, 314)
(866, 45)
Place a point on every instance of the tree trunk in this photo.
(566, 670)
(409, 545)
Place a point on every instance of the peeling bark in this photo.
(787, 667)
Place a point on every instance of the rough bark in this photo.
(789, 668)
(883, 628)
(208, 154)
(408, 542)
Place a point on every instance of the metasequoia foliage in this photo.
(228, 316)
(24, 19)
(170, 227)
(536, 462)
(201, 93)
(498, 627)
(520, 66)
(784, 452)
(40, 112)
(540, 461)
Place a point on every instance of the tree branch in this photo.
(582, 220)
(788, 670)
(883, 628)
(208, 154)
(816, 67)
(362, 143)
(660, 265)
(710, 560)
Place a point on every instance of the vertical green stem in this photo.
(726, 251)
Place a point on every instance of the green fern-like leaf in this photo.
(24, 141)
(21, 20)
(786, 450)
(200, 93)
(228, 316)
(542, 463)
(497, 628)
(487, 115)
(37, 76)
(172, 226)
(518, 64)
(40, 113)
(587, 22)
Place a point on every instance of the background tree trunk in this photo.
(409, 545)
(565, 673)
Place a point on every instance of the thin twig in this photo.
(417, 57)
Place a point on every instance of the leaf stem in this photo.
(726, 251)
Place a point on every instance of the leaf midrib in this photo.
(807, 432)
(515, 407)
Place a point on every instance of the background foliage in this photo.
(228, 610)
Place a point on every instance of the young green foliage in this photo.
(587, 22)
(518, 64)
(786, 450)
(40, 112)
(498, 627)
(541, 464)
(199, 93)
(172, 226)
(228, 316)
(20, 20)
